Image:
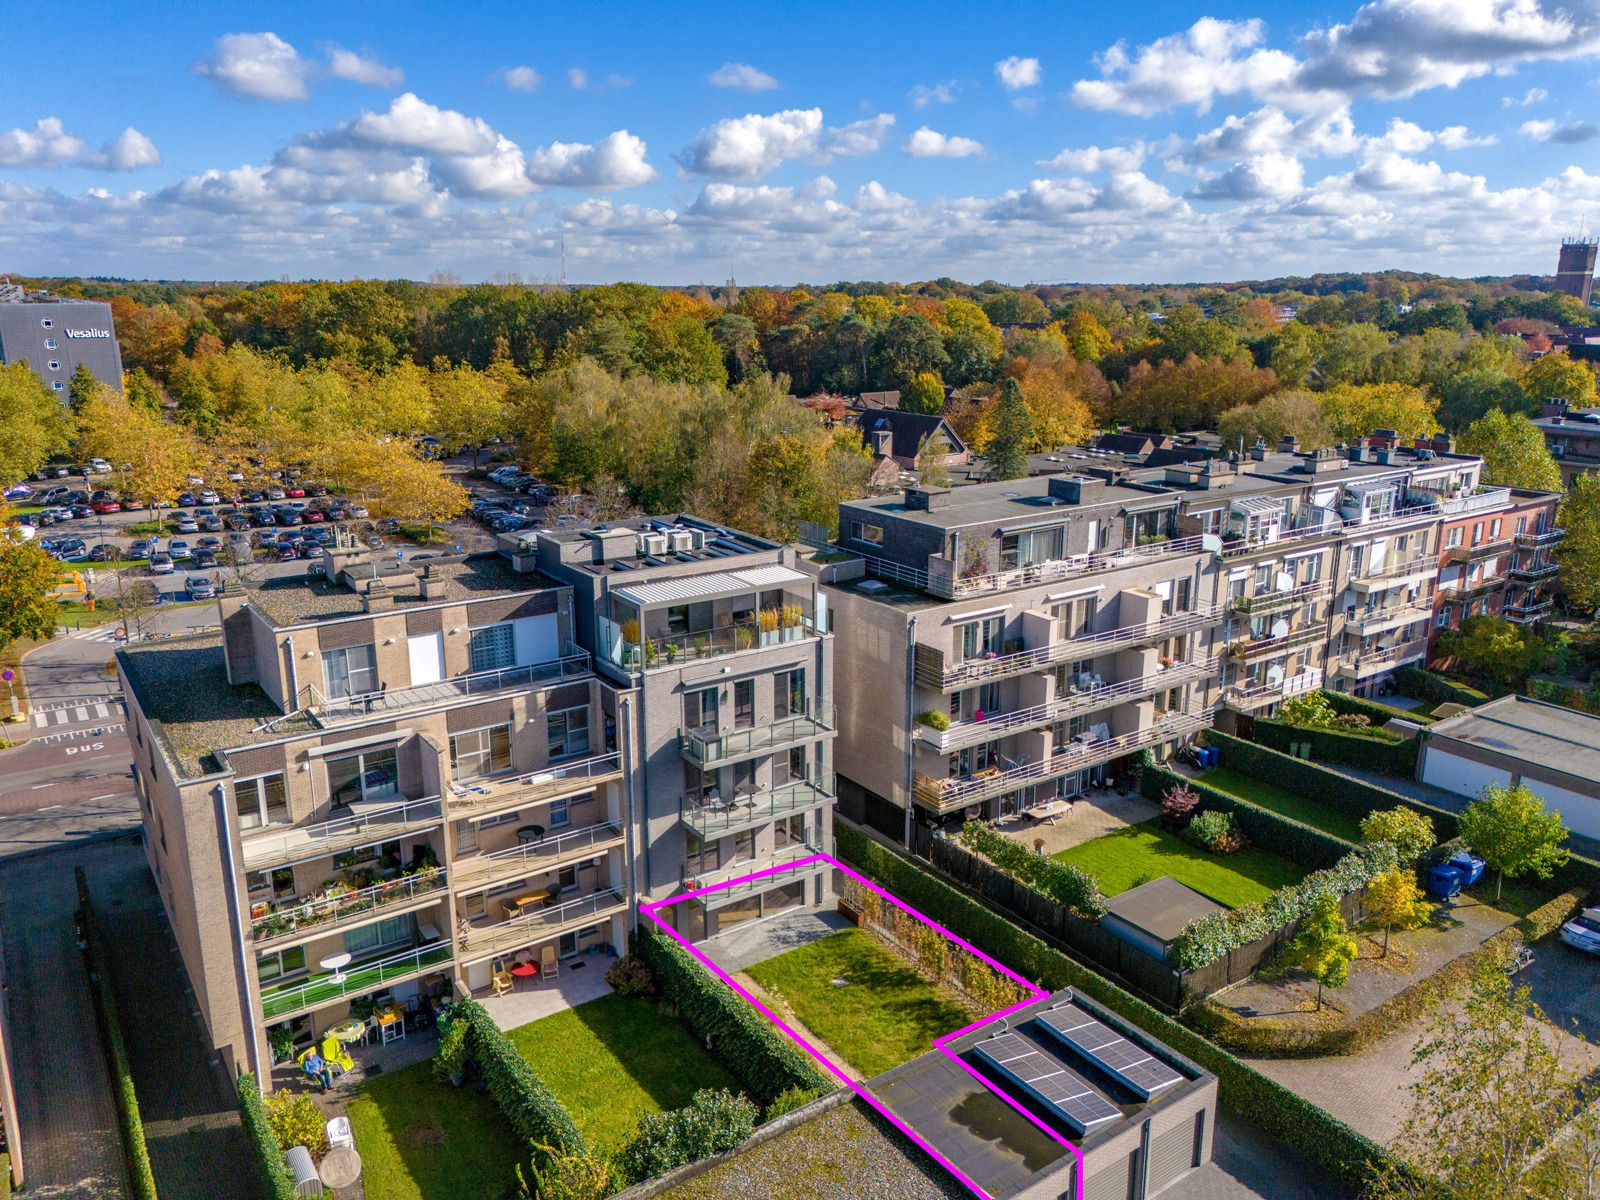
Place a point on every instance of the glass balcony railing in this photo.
(281, 921)
(1396, 616)
(503, 937)
(1272, 601)
(676, 649)
(1472, 554)
(1524, 612)
(363, 827)
(1252, 648)
(560, 779)
(715, 818)
(1252, 694)
(553, 850)
(709, 749)
(355, 980)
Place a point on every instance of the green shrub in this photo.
(569, 1175)
(1325, 1141)
(1309, 710)
(1270, 830)
(1549, 916)
(295, 1120)
(1555, 691)
(1421, 684)
(788, 1101)
(629, 976)
(277, 1180)
(450, 1059)
(5, 1176)
(1408, 831)
(759, 1057)
(1376, 714)
(1069, 885)
(713, 1121)
(1215, 831)
(934, 718)
(1374, 749)
(536, 1116)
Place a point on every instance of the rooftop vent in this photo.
(872, 587)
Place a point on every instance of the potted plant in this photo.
(281, 1039)
(701, 643)
(767, 618)
(794, 618)
(651, 653)
(743, 637)
(451, 1062)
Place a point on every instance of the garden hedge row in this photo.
(135, 1153)
(277, 1180)
(1065, 884)
(1322, 1139)
(1294, 840)
(1422, 684)
(1346, 704)
(1388, 755)
(534, 1114)
(745, 1042)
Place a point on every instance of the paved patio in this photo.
(1092, 816)
(533, 1000)
(757, 941)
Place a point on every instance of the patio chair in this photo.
(339, 1133)
(549, 963)
(336, 1055)
(502, 979)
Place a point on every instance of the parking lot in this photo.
(1566, 984)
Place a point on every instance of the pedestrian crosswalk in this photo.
(75, 714)
(102, 633)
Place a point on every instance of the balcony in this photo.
(366, 825)
(284, 923)
(1463, 592)
(1249, 650)
(327, 987)
(1536, 538)
(1528, 611)
(503, 937)
(932, 673)
(995, 725)
(1249, 696)
(1481, 500)
(1396, 574)
(1375, 620)
(1366, 664)
(549, 853)
(346, 710)
(943, 581)
(710, 750)
(1534, 572)
(949, 795)
(782, 871)
(481, 797)
(1273, 601)
(1410, 515)
(789, 624)
(711, 819)
(1483, 550)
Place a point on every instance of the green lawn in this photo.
(1289, 804)
(887, 1015)
(1146, 851)
(613, 1060)
(425, 1140)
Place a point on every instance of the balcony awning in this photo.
(1257, 505)
(687, 588)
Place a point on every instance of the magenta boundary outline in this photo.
(940, 1043)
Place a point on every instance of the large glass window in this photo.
(700, 711)
(1030, 547)
(270, 967)
(744, 704)
(560, 814)
(480, 752)
(701, 858)
(350, 670)
(392, 931)
(261, 801)
(368, 776)
(568, 730)
(978, 638)
(789, 693)
(744, 845)
(1076, 617)
(492, 647)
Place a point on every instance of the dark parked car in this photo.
(205, 559)
(71, 550)
(188, 500)
(104, 552)
(82, 511)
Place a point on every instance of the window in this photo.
(368, 776)
(55, 364)
(744, 779)
(1522, 525)
(261, 801)
(285, 962)
(1441, 619)
(865, 531)
(696, 783)
(789, 767)
(744, 846)
(744, 704)
(50, 343)
(491, 647)
(568, 731)
(1494, 529)
(789, 693)
(480, 752)
(381, 934)
(790, 831)
(560, 813)
(1477, 532)
(1452, 539)
(350, 670)
(700, 857)
(55, 385)
(1030, 547)
(1076, 617)
(700, 711)
(510, 818)
(277, 884)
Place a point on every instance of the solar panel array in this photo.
(1050, 1081)
(1134, 1065)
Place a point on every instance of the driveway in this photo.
(1566, 984)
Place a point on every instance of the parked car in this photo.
(178, 548)
(184, 523)
(358, 512)
(313, 516)
(71, 550)
(161, 563)
(211, 524)
(237, 521)
(104, 507)
(141, 548)
(19, 491)
(54, 495)
(99, 466)
(207, 496)
(82, 512)
(187, 500)
(276, 493)
(104, 552)
(200, 588)
(208, 543)
(130, 503)
(1583, 931)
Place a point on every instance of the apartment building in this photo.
(717, 645)
(1572, 435)
(1002, 645)
(1498, 560)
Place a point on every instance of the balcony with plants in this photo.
(654, 637)
(545, 851)
(476, 940)
(323, 987)
(713, 816)
(1249, 649)
(364, 823)
(1265, 602)
(353, 897)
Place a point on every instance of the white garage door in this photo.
(1459, 775)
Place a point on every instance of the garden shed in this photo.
(1151, 916)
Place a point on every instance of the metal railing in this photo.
(532, 788)
(1248, 648)
(339, 710)
(1398, 516)
(1524, 612)
(997, 725)
(1470, 554)
(1234, 547)
(287, 920)
(787, 873)
(1420, 564)
(1534, 572)
(1365, 663)
(944, 581)
(1468, 591)
(713, 818)
(547, 852)
(1075, 756)
(667, 650)
(1478, 501)
(537, 926)
(708, 749)
(1371, 619)
(931, 672)
(1253, 695)
(1535, 538)
(354, 980)
(1272, 601)
(343, 833)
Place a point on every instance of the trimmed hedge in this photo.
(277, 1180)
(1069, 885)
(745, 1042)
(1294, 840)
(1322, 1139)
(532, 1111)
(1378, 714)
(1550, 916)
(1388, 754)
(1422, 684)
(135, 1153)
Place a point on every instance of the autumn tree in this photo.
(1513, 450)
(1558, 378)
(1579, 551)
(27, 592)
(1408, 831)
(1189, 394)
(923, 393)
(1354, 410)
(1056, 409)
(1512, 831)
(1394, 901)
(34, 425)
(971, 413)
(1273, 419)
(467, 409)
(1090, 340)
(971, 343)
(1013, 431)
(152, 458)
(1323, 948)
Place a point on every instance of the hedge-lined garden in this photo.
(1419, 683)
(1062, 882)
(539, 1120)
(1373, 750)
(277, 1181)
(1378, 714)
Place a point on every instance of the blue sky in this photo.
(681, 144)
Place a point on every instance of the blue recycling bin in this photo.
(1471, 868)
(1444, 881)
(1213, 755)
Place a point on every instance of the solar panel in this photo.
(1050, 1081)
(1132, 1064)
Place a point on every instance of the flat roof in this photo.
(1162, 907)
(1543, 735)
(298, 599)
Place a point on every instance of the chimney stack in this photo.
(1259, 450)
(1289, 445)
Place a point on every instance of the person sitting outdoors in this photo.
(317, 1068)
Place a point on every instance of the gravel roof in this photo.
(848, 1153)
(298, 599)
(182, 687)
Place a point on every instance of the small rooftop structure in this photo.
(1151, 916)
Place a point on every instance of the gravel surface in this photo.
(848, 1153)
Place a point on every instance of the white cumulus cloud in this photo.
(748, 147)
(930, 143)
(617, 161)
(741, 77)
(1091, 159)
(1016, 73)
(521, 79)
(260, 66)
(1269, 175)
(413, 124)
(50, 144)
(1550, 131)
(347, 64)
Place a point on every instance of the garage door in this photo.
(1459, 775)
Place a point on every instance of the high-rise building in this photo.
(55, 336)
(1575, 267)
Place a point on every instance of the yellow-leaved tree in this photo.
(1354, 410)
